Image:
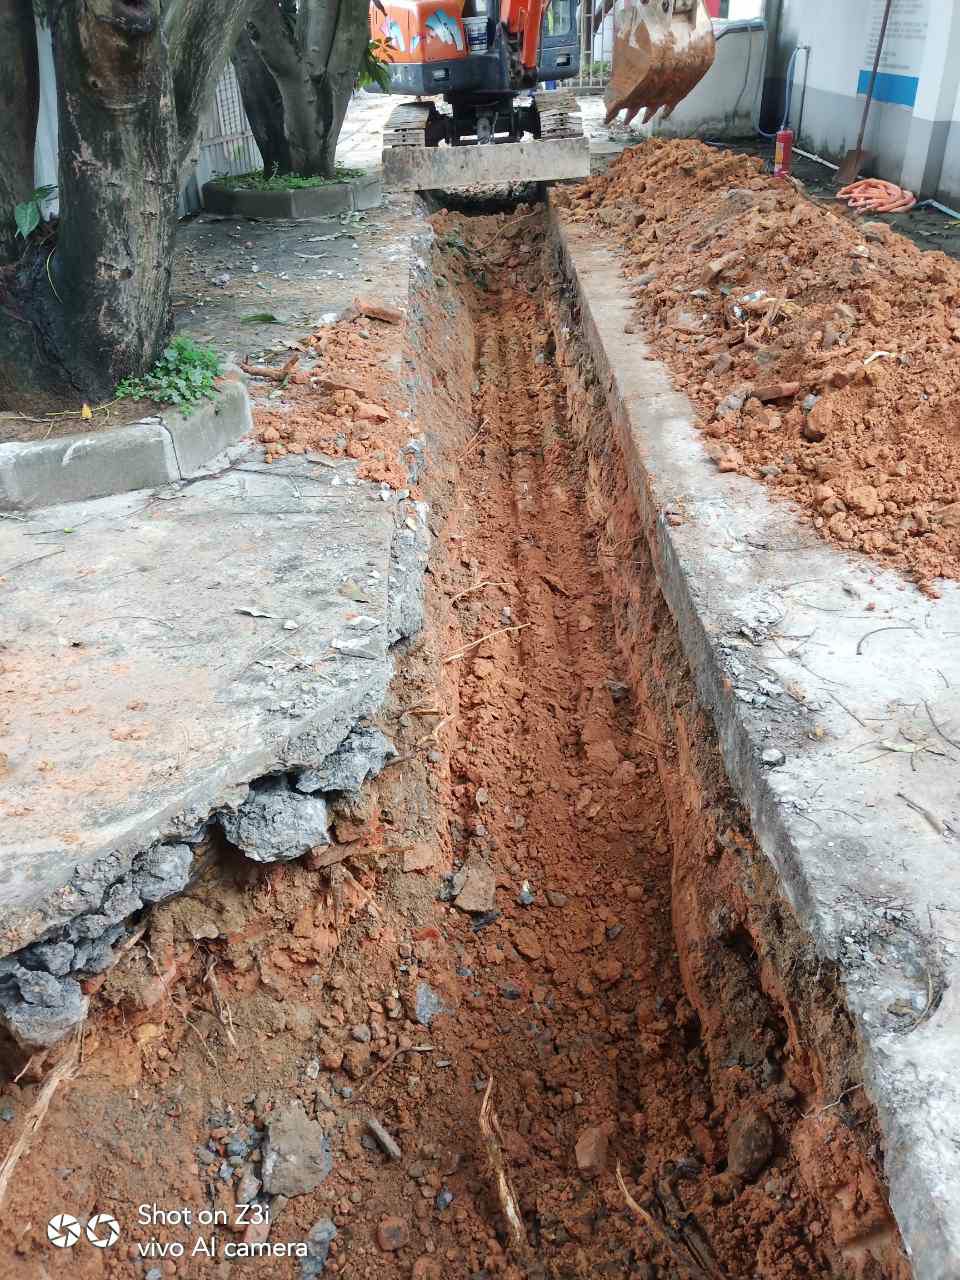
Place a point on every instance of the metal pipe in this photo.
(808, 155)
(944, 208)
(737, 26)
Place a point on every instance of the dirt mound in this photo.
(822, 352)
(335, 392)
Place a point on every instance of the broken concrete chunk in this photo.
(361, 756)
(296, 1155)
(55, 957)
(96, 954)
(163, 871)
(37, 987)
(277, 824)
(37, 1025)
(427, 1004)
(120, 900)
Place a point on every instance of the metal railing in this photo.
(227, 143)
(596, 46)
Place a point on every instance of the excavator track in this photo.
(407, 125)
(412, 160)
(559, 115)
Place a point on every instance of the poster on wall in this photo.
(899, 72)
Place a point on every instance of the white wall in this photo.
(723, 104)
(914, 141)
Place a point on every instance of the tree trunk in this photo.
(335, 87)
(263, 105)
(19, 102)
(95, 308)
(315, 66)
(101, 298)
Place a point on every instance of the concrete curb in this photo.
(876, 887)
(365, 192)
(144, 455)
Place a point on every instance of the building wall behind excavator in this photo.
(914, 126)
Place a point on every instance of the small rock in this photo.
(6, 1114)
(556, 899)
(526, 896)
(248, 1188)
(361, 1033)
(319, 1238)
(528, 944)
(427, 1004)
(356, 1060)
(296, 1155)
(592, 1149)
(477, 891)
(749, 1144)
(444, 1198)
(818, 422)
(392, 1234)
(773, 758)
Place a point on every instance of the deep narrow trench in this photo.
(584, 769)
(551, 887)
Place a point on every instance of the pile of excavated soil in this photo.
(821, 352)
(341, 399)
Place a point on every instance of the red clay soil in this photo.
(759, 300)
(526, 759)
(337, 401)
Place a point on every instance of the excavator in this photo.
(473, 70)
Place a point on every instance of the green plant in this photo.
(183, 376)
(374, 68)
(281, 181)
(29, 214)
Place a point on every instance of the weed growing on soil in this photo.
(183, 376)
(283, 181)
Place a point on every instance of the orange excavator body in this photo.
(480, 55)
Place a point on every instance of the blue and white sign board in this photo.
(899, 72)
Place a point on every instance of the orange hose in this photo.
(875, 195)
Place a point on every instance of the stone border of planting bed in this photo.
(353, 195)
(143, 455)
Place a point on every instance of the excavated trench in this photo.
(551, 894)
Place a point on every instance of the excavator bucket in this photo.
(661, 49)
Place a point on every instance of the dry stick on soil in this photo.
(938, 824)
(221, 1006)
(384, 1138)
(876, 633)
(65, 1070)
(413, 1048)
(661, 1236)
(492, 1141)
(502, 631)
(487, 582)
(950, 741)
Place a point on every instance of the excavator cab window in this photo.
(559, 18)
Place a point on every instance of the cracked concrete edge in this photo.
(143, 455)
(910, 1080)
(316, 741)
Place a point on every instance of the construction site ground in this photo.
(637, 956)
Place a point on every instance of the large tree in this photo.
(301, 56)
(88, 303)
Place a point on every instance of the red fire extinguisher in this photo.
(783, 153)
